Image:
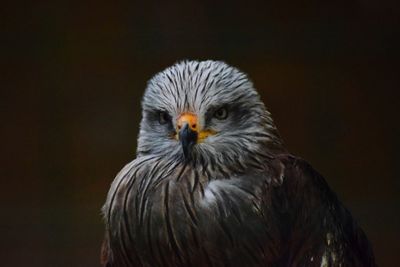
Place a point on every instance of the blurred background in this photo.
(72, 76)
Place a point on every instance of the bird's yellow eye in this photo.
(221, 113)
(163, 117)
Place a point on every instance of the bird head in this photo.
(205, 112)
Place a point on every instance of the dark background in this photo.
(72, 75)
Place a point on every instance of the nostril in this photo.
(179, 127)
(194, 125)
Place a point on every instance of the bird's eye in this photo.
(163, 117)
(221, 113)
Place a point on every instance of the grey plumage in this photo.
(237, 198)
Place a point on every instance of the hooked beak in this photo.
(189, 133)
(188, 139)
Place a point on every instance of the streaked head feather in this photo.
(201, 87)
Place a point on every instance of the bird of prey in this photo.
(213, 185)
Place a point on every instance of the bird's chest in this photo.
(199, 222)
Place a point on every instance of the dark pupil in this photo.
(163, 117)
(221, 113)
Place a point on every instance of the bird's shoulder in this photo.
(296, 173)
(297, 186)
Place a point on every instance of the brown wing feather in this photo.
(320, 229)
